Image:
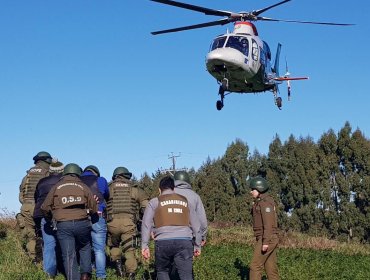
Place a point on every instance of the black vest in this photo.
(43, 188)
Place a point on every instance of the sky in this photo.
(87, 82)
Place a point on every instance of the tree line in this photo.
(322, 188)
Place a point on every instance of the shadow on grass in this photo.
(244, 270)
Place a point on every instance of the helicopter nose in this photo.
(227, 57)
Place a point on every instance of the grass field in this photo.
(226, 256)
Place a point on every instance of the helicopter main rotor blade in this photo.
(195, 8)
(195, 26)
(299, 21)
(260, 11)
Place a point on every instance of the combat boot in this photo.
(85, 276)
(119, 269)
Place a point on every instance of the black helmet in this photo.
(45, 156)
(72, 168)
(260, 184)
(93, 168)
(182, 176)
(121, 171)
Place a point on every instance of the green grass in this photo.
(231, 261)
(227, 256)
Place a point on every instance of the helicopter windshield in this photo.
(218, 43)
(239, 43)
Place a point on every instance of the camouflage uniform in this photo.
(26, 198)
(125, 204)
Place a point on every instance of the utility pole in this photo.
(173, 157)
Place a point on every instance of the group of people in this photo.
(77, 212)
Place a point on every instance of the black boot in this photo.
(119, 269)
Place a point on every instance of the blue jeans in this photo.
(50, 241)
(174, 251)
(75, 235)
(99, 237)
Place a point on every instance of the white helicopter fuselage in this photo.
(241, 58)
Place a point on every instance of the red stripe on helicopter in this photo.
(249, 24)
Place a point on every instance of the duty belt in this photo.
(75, 220)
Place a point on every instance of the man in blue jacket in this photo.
(99, 187)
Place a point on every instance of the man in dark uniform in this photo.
(70, 202)
(30, 231)
(175, 225)
(48, 234)
(126, 203)
(99, 187)
(265, 230)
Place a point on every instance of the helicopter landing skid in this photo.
(278, 100)
(223, 87)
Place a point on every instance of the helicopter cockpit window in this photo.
(239, 43)
(255, 50)
(218, 43)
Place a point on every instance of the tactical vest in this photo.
(172, 210)
(92, 182)
(121, 200)
(34, 175)
(69, 193)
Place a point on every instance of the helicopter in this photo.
(240, 60)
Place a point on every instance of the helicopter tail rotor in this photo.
(287, 78)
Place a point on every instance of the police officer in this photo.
(70, 202)
(265, 230)
(48, 234)
(175, 225)
(126, 203)
(27, 189)
(99, 187)
(183, 187)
